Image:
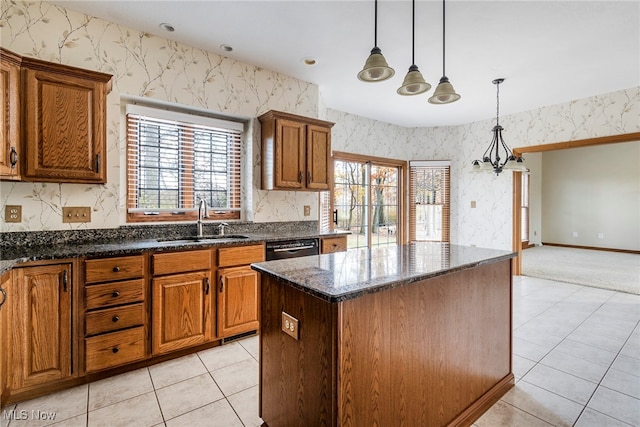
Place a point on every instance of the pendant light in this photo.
(444, 93)
(491, 159)
(376, 68)
(413, 83)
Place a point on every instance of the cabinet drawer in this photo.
(179, 262)
(116, 348)
(107, 294)
(109, 269)
(112, 319)
(333, 244)
(240, 255)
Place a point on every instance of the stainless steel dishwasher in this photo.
(291, 249)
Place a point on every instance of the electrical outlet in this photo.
(574, 234)
(76, 214)
(13, 213)
(600, 235)
(307, 210)
(290, 325)
(473, 204)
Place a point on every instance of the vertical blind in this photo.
(175, 159)
(429, 201)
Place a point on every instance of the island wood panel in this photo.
(435, 353)
(432, 351)
(297, 377)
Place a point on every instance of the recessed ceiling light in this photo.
(226, 48)
(167, 27)
(307, 60)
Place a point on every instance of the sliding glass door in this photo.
(366, 199)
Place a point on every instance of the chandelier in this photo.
(498, 155)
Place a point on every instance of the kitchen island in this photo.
(413, 335)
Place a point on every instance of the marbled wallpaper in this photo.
(149, 67)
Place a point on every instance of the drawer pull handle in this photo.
(206, 286)
(115, 294)
(116, 269)
(114, 319)
(13, 157)
(65, 280)
(114, 350)
(221, 284)
(4, 296)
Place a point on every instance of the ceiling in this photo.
(549, 52)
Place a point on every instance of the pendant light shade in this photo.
(413, 83)
(376, 68)
(444, 93)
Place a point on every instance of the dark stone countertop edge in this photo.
(378, 287)
(12, 258)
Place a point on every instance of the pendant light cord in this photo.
(443, 44)
(375, 24)
(413, 33)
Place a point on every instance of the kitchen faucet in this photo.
(221, 227)
(203, 212)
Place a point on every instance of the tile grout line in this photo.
(603, 377)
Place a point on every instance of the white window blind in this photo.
(429, 201)
(174, 159)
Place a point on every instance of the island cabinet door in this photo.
(182, 311)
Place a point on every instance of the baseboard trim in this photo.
(595, 248)
(486, 401)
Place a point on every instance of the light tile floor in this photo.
(576, 361)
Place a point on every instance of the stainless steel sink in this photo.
(203, 239)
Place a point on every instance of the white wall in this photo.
(592, 191)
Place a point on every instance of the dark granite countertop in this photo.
(345, 275)
(14, 255)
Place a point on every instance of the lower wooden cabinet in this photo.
(239, 290)
(183, 309)
(37, 326)
(333, 244)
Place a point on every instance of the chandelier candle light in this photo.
(491, 159)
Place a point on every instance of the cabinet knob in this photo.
(114, 319)
(115, 294)
(114, 350)
(116, 269)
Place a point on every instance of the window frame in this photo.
(186, 120)
(446, 205)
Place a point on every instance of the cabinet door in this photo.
(182, 311)
(9, 119)
(290, 170)
(238, 293)
(39, 338)
(318, 157)
(64, 126)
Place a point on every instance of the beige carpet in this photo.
(600, 269)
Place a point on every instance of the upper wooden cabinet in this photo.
(60, 113)
(296, 152)
(9, 116)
